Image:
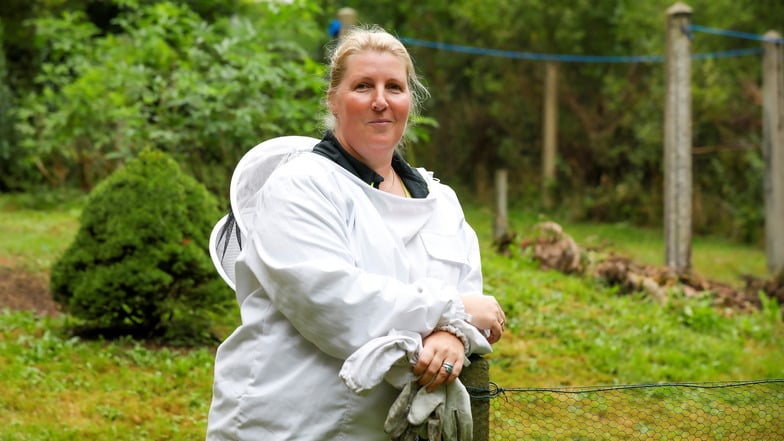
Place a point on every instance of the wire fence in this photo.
(747, 411)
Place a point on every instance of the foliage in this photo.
(5, 108)
(7, 141)
(204, 81)
(202, 92)
(139, 262)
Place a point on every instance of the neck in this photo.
(392, 183)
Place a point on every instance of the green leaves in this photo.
(139, 262)
(203, 92)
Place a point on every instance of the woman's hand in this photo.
(439, 348)
(486, 314)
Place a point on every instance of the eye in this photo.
(396, 87)
(362, 86)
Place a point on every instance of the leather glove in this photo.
(441, 415)
(457, 422)
(396, 423)
(425, 404)
(416, 414)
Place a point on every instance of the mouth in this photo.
(380, 121)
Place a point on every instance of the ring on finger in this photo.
(448, 367)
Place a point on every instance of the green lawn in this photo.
(563, 330)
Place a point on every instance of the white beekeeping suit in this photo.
(329, 263)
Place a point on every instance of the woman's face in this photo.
(371, 105)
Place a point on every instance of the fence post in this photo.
(501, 224)
(677, 140)
(549, 132)
(348, 18)
(773, 150)
(477, 375)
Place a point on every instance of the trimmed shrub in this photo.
(139, 263)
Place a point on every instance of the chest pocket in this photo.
(447, 256)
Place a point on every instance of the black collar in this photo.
(330, 147)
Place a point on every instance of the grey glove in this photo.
(457, 422)
(396, 423)
(416, 414)
(426, 404)
(441, 415)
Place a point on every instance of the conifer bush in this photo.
(139, 263)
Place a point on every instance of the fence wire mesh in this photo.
(747, 411)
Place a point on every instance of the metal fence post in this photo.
(773, 149)
(477, 375)
(677, 140)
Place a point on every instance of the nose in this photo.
(379, 101)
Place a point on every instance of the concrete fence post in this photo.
(773, 150)
(501, 224)
(677, 140)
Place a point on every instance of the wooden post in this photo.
(477, 375)
(677, 141)
(501, 224)
(773, 149)
(549, 132)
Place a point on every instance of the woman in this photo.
(349, 243)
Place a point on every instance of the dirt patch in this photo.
(21, 290)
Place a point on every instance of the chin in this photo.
(385, 143)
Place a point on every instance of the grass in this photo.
(59, 388)
(35, 230)
(563, 331)
(567, 330)
(33, 239)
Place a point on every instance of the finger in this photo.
(456, 371)
(501, 315)
(495, 333)
(493, 338)
(423, 361)
(434, 375)
(447, 373)
(438, 380)
(431, 371)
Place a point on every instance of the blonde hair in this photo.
(372, 38)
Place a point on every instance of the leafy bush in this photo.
(202, 92)
(139, 262)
